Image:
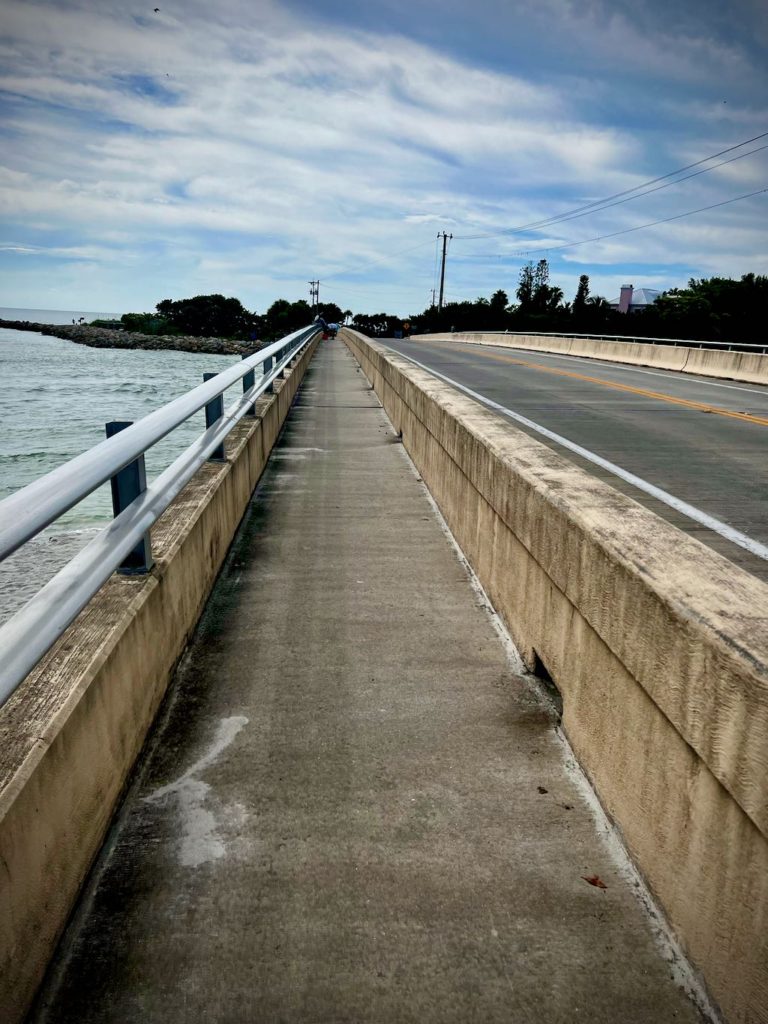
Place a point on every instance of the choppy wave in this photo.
(45, 422)
(45, 456)
(29, 568)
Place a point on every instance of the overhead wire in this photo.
(596, 206)
(666, 184)
(602, 203)
(626, 231)
(640, 227)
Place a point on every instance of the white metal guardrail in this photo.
(124, 543)
(725, 346)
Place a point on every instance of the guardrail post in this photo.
(248, 382)
(126, 486)
(214, 410)
(268, 369)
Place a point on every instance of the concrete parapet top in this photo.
(729, 365)
(688, 624)
(656, 643)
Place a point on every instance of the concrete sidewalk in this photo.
(354, 809)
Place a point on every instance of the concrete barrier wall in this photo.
(70, 735)
(744, 366)
(658, 645)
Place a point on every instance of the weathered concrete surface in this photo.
(354, 809)
(71, 733)
(659, 647)
(649, 423)
(746, 366)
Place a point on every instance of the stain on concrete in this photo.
(200, 841)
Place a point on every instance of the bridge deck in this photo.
(354, 809)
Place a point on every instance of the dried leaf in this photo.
(595, 880)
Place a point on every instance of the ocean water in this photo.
(53, 316)
(55, 398)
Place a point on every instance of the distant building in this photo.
(632, 299)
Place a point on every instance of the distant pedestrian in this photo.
(321, 323)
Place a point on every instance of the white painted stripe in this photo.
(735, 536)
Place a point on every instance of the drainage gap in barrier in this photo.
(548, 685)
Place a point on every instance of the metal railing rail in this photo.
(30, 510)
(736, 346)
(29, 634)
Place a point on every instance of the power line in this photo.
(636, 192)
(590, 207)
(666, 184)
(651, 224)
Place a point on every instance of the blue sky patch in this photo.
(247, 149)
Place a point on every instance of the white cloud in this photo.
(244, 150)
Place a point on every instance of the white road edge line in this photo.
(728, 532)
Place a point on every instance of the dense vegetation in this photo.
(716, 308)
(214, 316)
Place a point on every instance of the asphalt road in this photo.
(704, 442)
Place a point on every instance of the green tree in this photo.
(534, 292)
(499, 303)
(284, 317)
(209, 316)
(525, 288)
(580, 299)
(146, 323)
(540, 286)
(330, 312)
(372, 324)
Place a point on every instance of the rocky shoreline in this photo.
(105, 337)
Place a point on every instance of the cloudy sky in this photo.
(247, 146)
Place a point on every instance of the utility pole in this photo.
(442, 270)
(314, 293)
(433, 298)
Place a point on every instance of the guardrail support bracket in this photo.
(214, 410)
(126, 486)
(248, 382)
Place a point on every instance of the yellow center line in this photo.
(688, 403)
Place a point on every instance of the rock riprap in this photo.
(106, 337)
